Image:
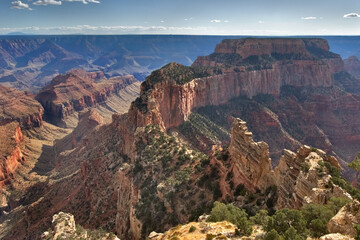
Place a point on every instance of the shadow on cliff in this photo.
(46, 161)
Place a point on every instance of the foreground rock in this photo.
(205, 230)
(64, 227)
(343, 222)
(336, 236)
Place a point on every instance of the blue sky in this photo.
(211, 17)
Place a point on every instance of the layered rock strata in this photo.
(77, 90)
(20, 107)
(11, 156)
(300, 177)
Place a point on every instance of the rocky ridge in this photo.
(21, 107)
(78, 90)
(19, 112)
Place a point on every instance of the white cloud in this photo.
(162, 21)
(20, 5)
(352, 15)
(226, 21)
(88, 29)
(188, 19)
(260, 22)
(309, 18)
(215, 21)
(82, 1)
(47, 2)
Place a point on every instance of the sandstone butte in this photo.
(77, 90)
(19, 111)
(327, 116)
(116, 174)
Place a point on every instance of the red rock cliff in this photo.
(11, 155)
(21, 107)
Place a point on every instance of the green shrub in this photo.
(357, 229)
(229, 212)
(273, 235)
(291, 234)
(240, 190)
(285, 218)
(260, 217)
(192, 229)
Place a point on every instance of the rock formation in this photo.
(251, 159)
(19, 111)
(64, 227)
(21, 107)
(343, 222)
(295, 94)
(78, 90)
(300, 177)
(11, 156)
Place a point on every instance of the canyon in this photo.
(31, 62)
(164, 161)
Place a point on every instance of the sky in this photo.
(195, 17)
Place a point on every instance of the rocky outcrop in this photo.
(300, 177)
(200, 230)
(352, 65)
(343, 222)
(336, 236)
(20, 107)
(78, 90)
(64, 227)
(251, 159)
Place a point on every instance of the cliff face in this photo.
(236, 77)
(77, 90)
(251, 159)
(21, 107)
(11, 155)
(19, 111)
(300, 177)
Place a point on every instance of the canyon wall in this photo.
(175, 102)
(78, 90)
(21, 107)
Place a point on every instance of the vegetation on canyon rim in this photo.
(289, 224)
